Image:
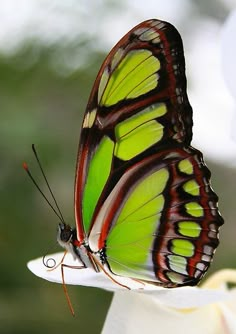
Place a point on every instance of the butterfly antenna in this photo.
(26, 168)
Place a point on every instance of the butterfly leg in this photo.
(64, 283)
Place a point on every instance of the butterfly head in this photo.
(66, 236)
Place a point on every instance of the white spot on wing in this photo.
(89, 118)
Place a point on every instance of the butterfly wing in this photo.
(138, 101)
(160, 222)
(138, 112)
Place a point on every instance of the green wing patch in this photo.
(99, 170)
(139, 132)
(136, 224)
(135, 75)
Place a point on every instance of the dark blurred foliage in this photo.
(42, 106)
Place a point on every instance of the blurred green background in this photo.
(47, 66)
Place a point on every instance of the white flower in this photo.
(139, 313)
(210, 309)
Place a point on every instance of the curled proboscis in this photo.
(50, 262)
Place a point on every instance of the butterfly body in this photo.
(144, 207)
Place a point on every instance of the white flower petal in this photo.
(136, 313)
(186, 297)
(220, 279)
(228, 316)
(83, 276)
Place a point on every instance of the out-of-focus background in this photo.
(50, 53)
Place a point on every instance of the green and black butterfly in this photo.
(144, 207)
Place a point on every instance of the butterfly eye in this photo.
(64, 234)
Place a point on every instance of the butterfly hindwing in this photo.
(160, 222)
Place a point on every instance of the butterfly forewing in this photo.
(142, 195)
(138, 102)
